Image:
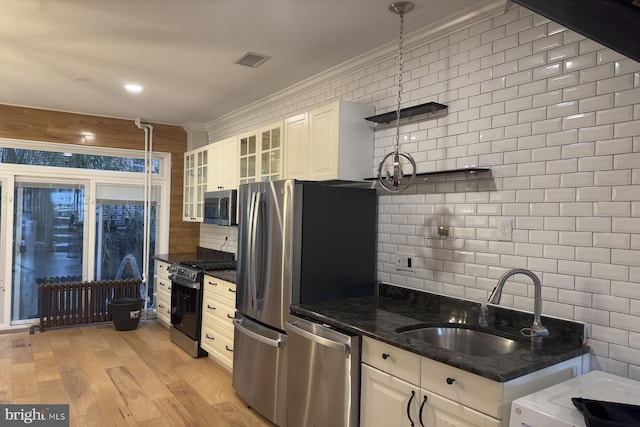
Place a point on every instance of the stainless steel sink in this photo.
(462, 340)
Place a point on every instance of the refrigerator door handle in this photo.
(336, 345)
(252, 249)
(273, 343)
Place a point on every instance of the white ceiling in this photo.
(182, 51)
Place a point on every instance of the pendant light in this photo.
(391, 171)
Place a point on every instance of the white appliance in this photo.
(552, 407)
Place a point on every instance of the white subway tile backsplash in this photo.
(600, 133)
(574, 298)
(566, 136)
(596, 73)
(614, 115)
(614, 84)
(608, 271)
(562, 81)
(615, 177)
(625, 129)
(626, 66)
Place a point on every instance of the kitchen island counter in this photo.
(380, 316)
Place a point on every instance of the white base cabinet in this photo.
(400, 387)
(218, 311)
(163, 292)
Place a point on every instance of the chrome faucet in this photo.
(536, 331)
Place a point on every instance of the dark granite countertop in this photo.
(379, 316)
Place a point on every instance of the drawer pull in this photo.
(230, 316)
(385, 356)
(413, 394)
(233, 291)
(213, 283)
(160, 305)
(226, 347)
(424, 402)
(212, 308)
(162, 284)
(450, 380)
(208, 337)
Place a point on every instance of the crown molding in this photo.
(415, 39)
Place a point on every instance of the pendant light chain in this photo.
(400, 71)
(391, 170)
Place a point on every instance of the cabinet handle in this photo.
(385, 356)
(226, 347)
(160, 305)
(212, 308)
(413, 394)
(450, 380)
(208, 337)
(213, 283)
(233, 291)
(424, 402)
(162, 284)
(230, 316)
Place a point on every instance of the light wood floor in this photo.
(117, 378)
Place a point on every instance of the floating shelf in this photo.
(470, 170)
(429, 107)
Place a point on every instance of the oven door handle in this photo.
(256, 336)
(184, 283)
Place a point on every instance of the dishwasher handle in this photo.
(256, 336)
(336, 345)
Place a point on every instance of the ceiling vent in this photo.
(253, 60)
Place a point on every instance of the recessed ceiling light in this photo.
(133, 88)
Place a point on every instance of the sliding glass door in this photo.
(48, 237)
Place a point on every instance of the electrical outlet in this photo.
(404, 262)
(505, 230)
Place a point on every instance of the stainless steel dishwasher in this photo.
(323, 375)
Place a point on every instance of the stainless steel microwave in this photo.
(220, 207)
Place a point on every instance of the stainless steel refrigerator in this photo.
(298, 241)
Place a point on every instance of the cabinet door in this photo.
(248, 157)
(188, 213)
(229, 163)
(270, 161)
(324, 142)
(441, 412)
(223, 169)
(296, 147)
(386, 400)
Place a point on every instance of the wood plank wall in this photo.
(66, 128)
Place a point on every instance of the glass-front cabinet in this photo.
(261, 154)
(195, 183)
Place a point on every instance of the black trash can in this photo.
(125, 313)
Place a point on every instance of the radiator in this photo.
(81, 303)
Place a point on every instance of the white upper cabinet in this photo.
(196, 175)
(330, 142)
(296, 159)
(223, 160)
(261, 154)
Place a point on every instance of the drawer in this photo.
(218, 311)
(221, 287)
(474, 391)
(392, 360)
(163, 308)
(214, 339)
(163, 285)
(162, 268)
